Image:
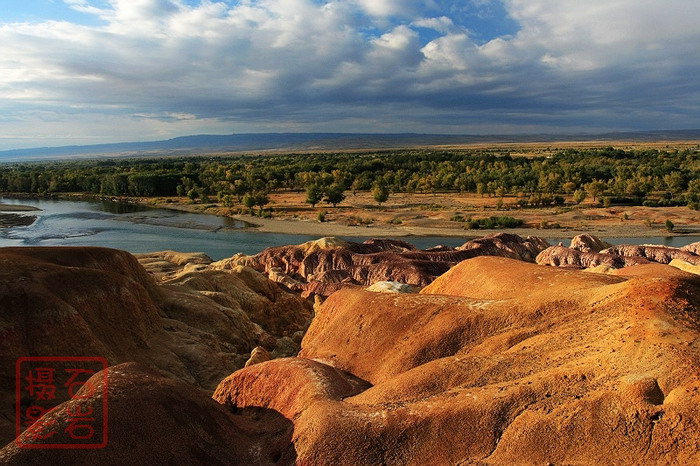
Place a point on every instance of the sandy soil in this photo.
(17, 208)
(430, 215)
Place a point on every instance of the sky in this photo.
(98, 71)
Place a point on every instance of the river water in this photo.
(142, 229)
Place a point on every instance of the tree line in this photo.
(651, 177)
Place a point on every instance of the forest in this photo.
(606, 175)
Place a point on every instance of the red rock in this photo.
(660, 254)
(196, 326)
(559, 256)
(693, 248)
(329, 259)
(525, 365)
(507, 245)
(156, 420)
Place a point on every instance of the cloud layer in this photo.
(148, 69)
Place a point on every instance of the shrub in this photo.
(494, 222)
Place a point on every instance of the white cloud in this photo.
(386, 7)
(311, 64)
(598, 33)
(442, 24)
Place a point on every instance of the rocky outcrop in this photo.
(589, 252)
(391, 287)
(560, 256)
(496, 361)
(693, 248)
(660, 254)
(582, 368)
(234, 261)
(195, 325)
(157, 420)
(258, 355)
(507, 245)
(163, 263)
(241, 288)
(324, 266)
(588, 243)
(684, 266)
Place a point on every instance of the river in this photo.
(142, 229)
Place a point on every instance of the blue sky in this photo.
(94, 71)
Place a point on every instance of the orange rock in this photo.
(329, 264)
(156, 420)
(523, 364)
(198, 326)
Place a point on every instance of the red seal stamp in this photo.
(42, 383)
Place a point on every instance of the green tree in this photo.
(249, 201)
(669, 226)
(261, 199)
(227, 200)
(595, 188)
(568, 187)
(380, 193)
(314, 194)
(335, 194)
(579, 196)
(193, 193)
(675, 182)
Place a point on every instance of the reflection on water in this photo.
(142, 229)
(136, 229)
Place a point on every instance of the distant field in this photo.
(621, 187)
(342, 142)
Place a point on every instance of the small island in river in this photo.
(9, 217)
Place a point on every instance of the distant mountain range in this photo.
(208, 144)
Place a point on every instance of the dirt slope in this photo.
(197, 327)
(157, 420)
(497, 362)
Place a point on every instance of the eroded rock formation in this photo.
(324, 266)
(588, 243)
(660, 254)
(560, 256)
(589, 252)
(497, 361)
(157, 420)
(195, 325)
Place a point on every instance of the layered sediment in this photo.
(196, 326)
(495, 360)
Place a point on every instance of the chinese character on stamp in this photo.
(42, 383)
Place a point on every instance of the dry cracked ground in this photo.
(497, 359)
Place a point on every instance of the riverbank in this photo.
(18, 208)
(413, 214)
(434, 215)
